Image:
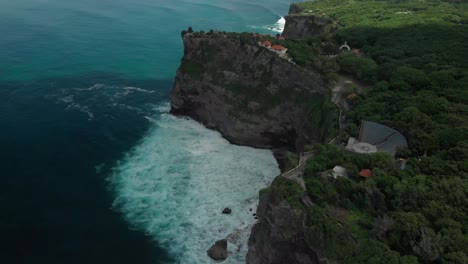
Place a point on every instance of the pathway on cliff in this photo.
(338, 92)
(296, 173)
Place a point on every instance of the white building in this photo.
(339, 171)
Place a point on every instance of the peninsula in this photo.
(386, 78)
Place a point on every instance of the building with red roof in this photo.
(351, 96)
(356, 52)
(266, 44)
(279, 49)
(366, 173)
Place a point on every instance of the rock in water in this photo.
(227, 211)
(219, 250)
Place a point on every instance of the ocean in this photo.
(93, 168)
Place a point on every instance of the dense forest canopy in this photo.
(414, 63)
(414, 74)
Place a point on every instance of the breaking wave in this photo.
(276, 27)
(176, 182)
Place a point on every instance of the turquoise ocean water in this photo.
(92, 167)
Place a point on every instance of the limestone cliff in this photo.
(247, 92)
(254, 97)
(303, 23)
(279, 236)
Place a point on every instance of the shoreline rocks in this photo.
(219, 250)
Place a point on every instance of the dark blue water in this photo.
(78, 81)
(55, 207)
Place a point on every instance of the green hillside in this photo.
(414, 69)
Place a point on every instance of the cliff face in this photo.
(254, 97)
(304, 26)
(278, 237)
(247, 92)
(301, 24)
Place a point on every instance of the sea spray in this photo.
(176, 182)
(68, 112)
(277, 27)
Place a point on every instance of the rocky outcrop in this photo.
(219, 250)
(248, 93)
(278, 237)
(295, 9)
(302, 23)
(230, 83)
(304, 26)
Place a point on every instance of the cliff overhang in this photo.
(230, 83)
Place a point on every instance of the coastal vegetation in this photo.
(409, 214)
(411, 60)
(257, 82)
(409, 71)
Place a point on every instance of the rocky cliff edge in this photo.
(230, 83)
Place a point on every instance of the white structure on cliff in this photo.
(339, 171)
(360, 147)
(374, 137)
(345, 46)
(266, 44)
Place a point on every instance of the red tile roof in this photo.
(266, 43)
(278, 47)
(351, 96)
(366, 173)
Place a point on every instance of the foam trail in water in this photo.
(176, 182)
(276, 27)
(94, 100)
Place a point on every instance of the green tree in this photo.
(429, 247)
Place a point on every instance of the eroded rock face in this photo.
(304, 26)
(295, 9)
(219, 250)
(248, 93)
(253, 97)
(278, 236)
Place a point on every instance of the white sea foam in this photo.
(82, 108)
(93, 88)
(176, 182)
(128, 90)
(137, 89)
(71, 104)
(276, 27)
(279, 25)
(86, 100)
